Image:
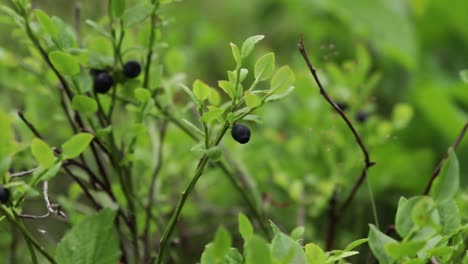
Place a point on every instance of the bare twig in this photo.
(335, 216)
(49, 206)
(29, 125)
(23, 173)
(436, 171)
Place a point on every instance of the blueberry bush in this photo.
(162, 131)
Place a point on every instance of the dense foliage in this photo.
(160, 131)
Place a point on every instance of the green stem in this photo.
(374, 208)
(31, 250)
(175, 216)
(12, 217)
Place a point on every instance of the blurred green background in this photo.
(398, 61)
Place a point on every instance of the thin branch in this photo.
(23, 173)
(29, 125)
(436, 171)
(336, 216)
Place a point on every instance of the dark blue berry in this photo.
(240, 133)
(103, 82)
(132, 69)
(342, 105)
(362, 116)
(4, 195)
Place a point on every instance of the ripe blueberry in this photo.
(362, 116)
(4, 194)
(103, 82)
(132, 69)
(240, 133)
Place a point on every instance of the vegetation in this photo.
(158, 131)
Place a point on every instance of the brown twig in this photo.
(436, 171)
(29, 125)
(335, 216)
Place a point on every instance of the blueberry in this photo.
(132, 69)
(240, 133)
(342, 105)
(362, 116)
(4, 194)
(103, 82)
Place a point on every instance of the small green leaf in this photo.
(214, 97)
(142, 95)
(265, 66)
(201, 90)
(341, 255)
(136, 14)
(287, 250)
(356, 244)
(257, 251)
(450, 217)
(404, 223)
(245, 227)
(46, 23)
(64, 63)
(51, 172)
(42, 153)
(315, 254)
(222, 243)
(212, 114)
(214, 153)
(236, 54)
(447, 183)
(93, 240)
(193, 127)
(76, 145)
(464, 75)
(228, 88)
(84, 104)
(377, 242)
(118, 7)
(251, 100)
(277, 97)
(404, 249)
(297, 233)
(99, 28)
(192, 96)
(249, 44)
(282, 80)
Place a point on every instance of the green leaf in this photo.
(249, 44)
(42, 153)
(277, 97)
(214, 153)
(64, 63)
(136, 14)
(315, 254)
(228, 88)
(76, 145)
(93, 240)
(251, 100)
(282, 80)
(245, 227)
(201, 90)
(142, 95)
(84, 104)
(192, 96)
(404, 249)
(222, 243)
(377, 242)
(236, 54)
(100, 29)
(404, 223)
(356, 244)
(214, 97)
(118, 7)
(447, 183)
(287, 250)
(46, 23)
(265, 66)
(193, 127)
(297, 233)
(449, 217)
(341, 255)
(212, 114)
(464, 75)
(49, 173)
(257, 251)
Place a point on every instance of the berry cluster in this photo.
(103, 80)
